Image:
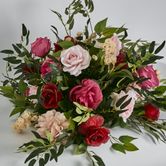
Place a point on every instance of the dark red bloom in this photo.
(57, 47)
(97, 136)
(121, 58)
(50, 96)
(151, 112)
(94, 134)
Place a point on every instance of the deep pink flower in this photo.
(41, 47)
(88, 93)
(148, 72)
(46, 67)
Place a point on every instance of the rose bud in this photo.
(57, 47)
(151, 112)
(40, 47)
(121, 58)
(69, 38)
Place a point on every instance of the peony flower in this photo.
(88, 93)
(50, 96)
(75, 59)
(151, 112)
(41, 47)
(52, 121)
(93, 131)
(46, 67)
(148, 72)
(112, 47)
(129, 108)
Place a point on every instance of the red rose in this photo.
(88, 94)
(97, 136)
(41, 47)
(94, 134)
(121, 58)
(94, 121)
(57, 47)
(151, 112)
(50, 96)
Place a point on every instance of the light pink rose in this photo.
(40, 47)
(148, 72)
(46, 67)
(88, 94)
(32, 90)
(129, 108)
(75, 59)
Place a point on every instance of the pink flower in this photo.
(32, 90)
(75, 59)
(88, 93)
(46, 67)
(129, 108)
(148, 72)
(40, 47)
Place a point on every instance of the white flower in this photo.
(112, 47)
(75, 59)
(129, 108)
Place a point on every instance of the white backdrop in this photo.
(144, 18)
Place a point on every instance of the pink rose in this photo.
(32, 90)
(46, 67)
(129, 108)
(88, 93)
(75, 59)
(41, 47)
(148, 72)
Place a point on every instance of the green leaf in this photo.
(54, 154)
(33, 154)
(130, 147)
(81, 107)
(118, 147)
(60, 150)
(77, 119)
(78, 111)
(100, 26)
(17, 110)
(7, 51)
(24, 30)
(41, 162)
(46, 157)
(16, 49)
(32, 162)
(80, 149)
(160, 48)
(99, 160)
(151, 47)
(126, 139)
(66, 44)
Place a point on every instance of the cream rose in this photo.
(75, 59)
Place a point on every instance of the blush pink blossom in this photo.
(129, 108)
(75, 59)
(40, 47)
(46, 67)
(88, 94)
(32, 90)
(148, 72)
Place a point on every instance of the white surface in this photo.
(145, 19)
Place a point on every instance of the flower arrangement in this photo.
(75, 91)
